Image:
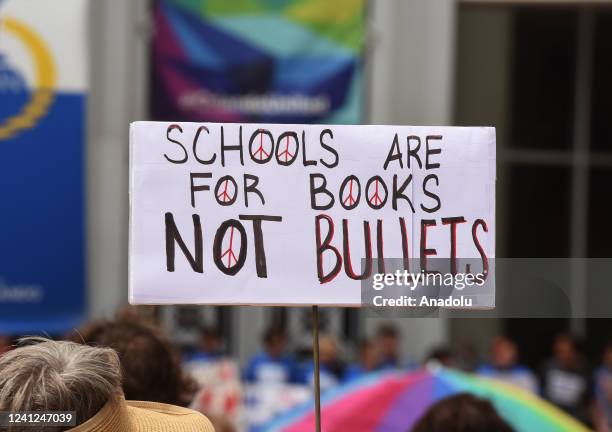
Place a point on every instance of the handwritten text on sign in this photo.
(300, 214)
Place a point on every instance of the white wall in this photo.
(411, 83)
(412, 61)
(116, 98)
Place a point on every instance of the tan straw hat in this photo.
(136, 416)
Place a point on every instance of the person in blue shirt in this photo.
(369, 360)
(388, 339)
(505, 367)
(332, 368)
(441, 355)
(274, 364)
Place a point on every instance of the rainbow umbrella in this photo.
(390, 402)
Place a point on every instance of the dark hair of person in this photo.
(364, 344)
(387, 330)
(462, 413)
(440, 353)
(211, 332)
(273, 333)
(150, 364)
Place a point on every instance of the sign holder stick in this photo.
(317, 366)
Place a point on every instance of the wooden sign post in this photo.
(317, 365)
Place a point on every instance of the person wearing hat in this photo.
(45, 375)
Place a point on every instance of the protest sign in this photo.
(302, 214)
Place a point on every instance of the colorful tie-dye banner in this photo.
(283, 61)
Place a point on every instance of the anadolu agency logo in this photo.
(25, 95)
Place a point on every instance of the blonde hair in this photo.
(46, 375)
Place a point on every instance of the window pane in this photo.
(600, 214)
(536, 346)
(539, 212)
(543, 78)
(601, 136)
(599, 336)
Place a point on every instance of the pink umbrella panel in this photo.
(393, 402)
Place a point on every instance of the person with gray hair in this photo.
(46, 375)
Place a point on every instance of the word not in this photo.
(238, 240)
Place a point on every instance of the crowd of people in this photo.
(96, 369)
(564, 379)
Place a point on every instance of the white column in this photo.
(580, 171)
(411, 64)
(117, 53)
(412, 61)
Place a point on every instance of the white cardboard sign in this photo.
(294, 214)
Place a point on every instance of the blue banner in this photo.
(42, 137)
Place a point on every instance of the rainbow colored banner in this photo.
(272, 61)
(394, 402)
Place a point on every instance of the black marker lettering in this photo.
(453, 221)
(483, 256)
(173, 236)
(252, 188)
(431, 194)
(260, 251)
(415, 151)
(326, 245)
(198, 188)
(425, 252)
(380, 256)
(195, 144)
(315, 190)
(231, 224)
(348, 267)
(329, 149)
(374, 200)
(224, 194)
(398, 192)
(405, 239)
(431, 151)
(354, 192)
(259, 154)
(394, 154)
(284, 156)
(305, 160)
(225, 148)
(180, 129)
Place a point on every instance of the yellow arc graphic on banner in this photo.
(45, 77)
